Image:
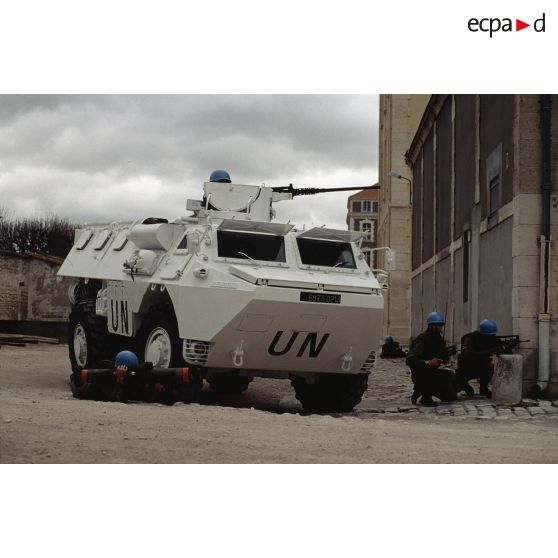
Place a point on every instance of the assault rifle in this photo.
(510, 342)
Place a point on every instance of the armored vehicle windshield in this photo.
(325, 253)
(251, 246)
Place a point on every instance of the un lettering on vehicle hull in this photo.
(308, 344)
(119, 315)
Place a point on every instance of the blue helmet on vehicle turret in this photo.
(220, 176)
(388, 340)
(435, 318)
(488, 327)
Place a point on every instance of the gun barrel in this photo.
(311, 191)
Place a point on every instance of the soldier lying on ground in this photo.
(392, 349)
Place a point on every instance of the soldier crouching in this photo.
(426, 355)
(475, 360)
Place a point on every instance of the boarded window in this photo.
(496, 132)
(444, 145)
(417, 214)
(494, 195)
(466, 240)
(465, 160)
(428, 199)
(356, 207)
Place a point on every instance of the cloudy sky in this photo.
(114, 157)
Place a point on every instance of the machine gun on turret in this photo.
(254, 203)
(311, 191)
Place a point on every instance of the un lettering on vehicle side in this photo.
(310, 342)
(119, 310)
(119, 317)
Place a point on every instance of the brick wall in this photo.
(29, 290)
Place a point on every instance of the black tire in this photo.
(228, 383)
(160, 316)
(98, 345)
(163, 316)
(330, 393)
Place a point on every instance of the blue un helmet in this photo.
(388, 340)
(220, 176)
(126, 358)
(435, 318)
(488, 327)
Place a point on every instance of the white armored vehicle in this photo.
(231, 295)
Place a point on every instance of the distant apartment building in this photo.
(400, 116)
(362, 216)
(484, 170)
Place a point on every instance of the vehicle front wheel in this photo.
(159, 342)
(88, 345)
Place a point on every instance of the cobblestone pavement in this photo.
(390, 387)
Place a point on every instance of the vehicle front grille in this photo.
(196, 352)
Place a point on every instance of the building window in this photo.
(367, 229)
(356, 207)
(374, 207)
(494, 196)
(466, 240)
(366, 207)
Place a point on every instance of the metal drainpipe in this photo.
(545, 240)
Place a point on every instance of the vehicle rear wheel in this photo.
(88, 345)
(229, 383)
(330, 393)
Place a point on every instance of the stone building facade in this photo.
(485, 206)
(400, 116)
(362, 216)
(32, 300)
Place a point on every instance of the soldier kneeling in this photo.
(427, 353)
(475, 360)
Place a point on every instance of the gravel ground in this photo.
(40, 422)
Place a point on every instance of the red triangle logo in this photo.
(519, 25)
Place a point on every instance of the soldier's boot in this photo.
(468, 388)
(415, 396)
(427, 401)
(484, 380)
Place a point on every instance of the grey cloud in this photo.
(76, 155)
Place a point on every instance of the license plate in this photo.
(321, 297)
